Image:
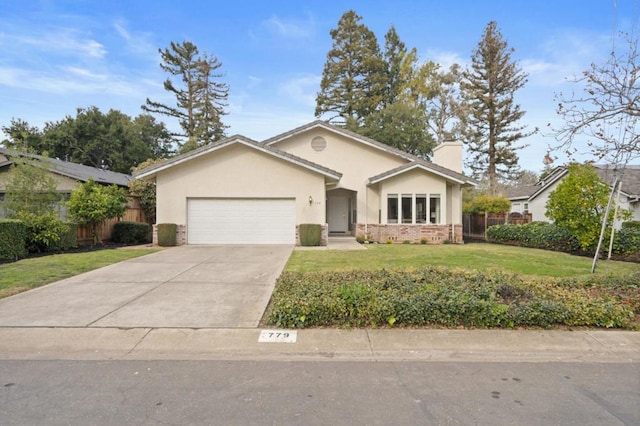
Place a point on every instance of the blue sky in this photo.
(56, 56)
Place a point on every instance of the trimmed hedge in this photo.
(13, 239)
(131, 233)
(167, 234)
(541, 235)
(310, 234)
(548, 236)
(452, 298)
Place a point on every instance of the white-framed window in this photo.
(434, 208)
(406, 208)
(414, 208)
(421, 208)
(392, 208)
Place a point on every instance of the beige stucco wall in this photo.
(414, 182)
(238, 171)
(356, 161)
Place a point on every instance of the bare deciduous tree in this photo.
(608, 110)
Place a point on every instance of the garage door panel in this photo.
(241, 221)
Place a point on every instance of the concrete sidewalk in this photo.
(321, 344)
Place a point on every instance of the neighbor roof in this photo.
(630, 181)
(426, 165)
(75, 171)
(153, 170)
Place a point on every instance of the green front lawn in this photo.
(484, 257)
(473, 285)
(30, 273)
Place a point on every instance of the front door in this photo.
(338, 214)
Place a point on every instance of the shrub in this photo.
(167, 234)
(627, 240)
(488, 204)
(535, 235)
(360, 238)
(406, 242)
(437, 296)
(13, 239)
(310, 234)
(631, 224)
(423, 240)
(69, 239)
(45, 232)
(131, 232)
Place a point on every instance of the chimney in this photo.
(449, 154)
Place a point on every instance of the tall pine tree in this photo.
(353, 79)
(200, 97)
(488, 90)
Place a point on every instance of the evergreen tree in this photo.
(443, 109)
(401, 120)
(200, 97)
(488, 90)
(353, 78)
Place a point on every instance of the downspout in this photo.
(366, 211)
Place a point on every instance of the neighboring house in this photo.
(533, 198)
(67, 175)
(241, 191)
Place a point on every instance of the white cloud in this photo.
(71, 81)
(445, 58)
(290, 27)
(62, 41)
(301, 89)
(253, 82)
(137, 41)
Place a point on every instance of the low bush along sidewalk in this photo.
(448, 297)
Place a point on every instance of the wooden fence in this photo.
(134, 213)
(474, 225)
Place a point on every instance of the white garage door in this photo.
(241, 221)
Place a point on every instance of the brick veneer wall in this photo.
(324, 235)
(181, 235)
(433, 234)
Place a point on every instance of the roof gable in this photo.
(412, 159)
(461, 179)
(236, 139)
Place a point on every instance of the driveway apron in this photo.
(183, 287)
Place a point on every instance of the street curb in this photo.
(375, 345)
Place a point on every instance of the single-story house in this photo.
(240, 191)
(66, 174)
(533, 198)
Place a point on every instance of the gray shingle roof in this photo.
(74, 171)
(630, 178)
(630, 181)
(521, 191)
(384, 147)
(246, 141)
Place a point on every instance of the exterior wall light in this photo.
(310, 200)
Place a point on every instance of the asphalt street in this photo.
(122, 392)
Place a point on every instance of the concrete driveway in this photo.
(182, 287)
